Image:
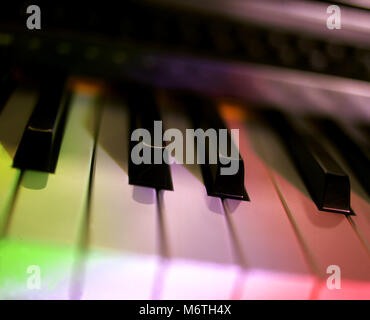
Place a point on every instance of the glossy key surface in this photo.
(328, 184)
(40, 144)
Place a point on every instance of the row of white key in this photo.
(186, 246)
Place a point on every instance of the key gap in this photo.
(8, 218)
(237, 253)
(309, 258)
(79, 268)
(162, 248)
(359, 234)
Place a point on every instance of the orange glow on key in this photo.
(233, 111)
(85, 85)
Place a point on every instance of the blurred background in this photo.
(278, 52)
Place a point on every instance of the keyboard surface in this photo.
(98, 230)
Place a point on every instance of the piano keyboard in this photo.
(95, 232)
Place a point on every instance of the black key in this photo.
(40, 144)
(327, 183)
(204, 115)
(356, 156)
(144, 111)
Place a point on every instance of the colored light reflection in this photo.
(54, 263)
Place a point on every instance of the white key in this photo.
(50, 208)
(193, 280)
(13, 120)
(201, 264)
(328, 236)
(123, 231)
(276, 266)
(116, 276)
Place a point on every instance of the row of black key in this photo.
(326, 181)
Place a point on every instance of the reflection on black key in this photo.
(355, 155)
(40, 144)
(143, 109)
(325, 180)
(7, 85)
(204, 115)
